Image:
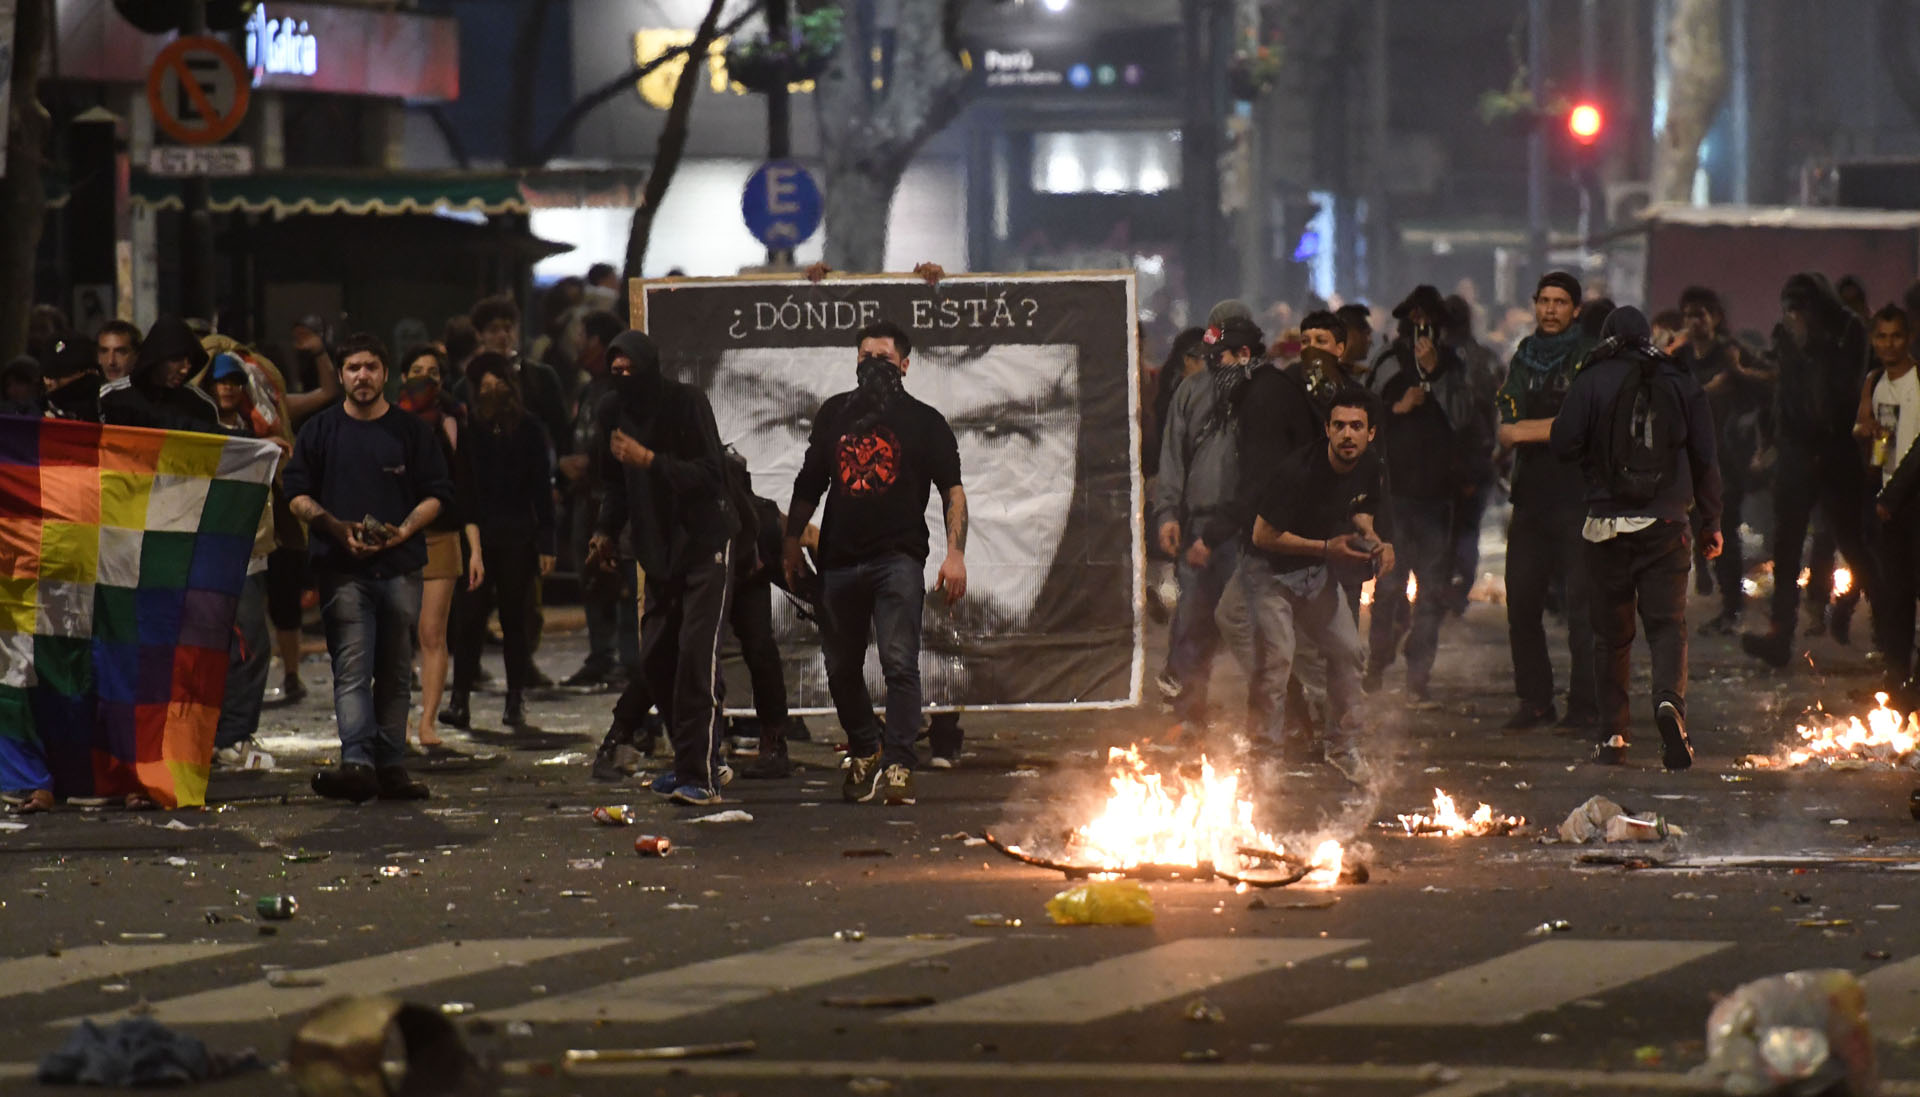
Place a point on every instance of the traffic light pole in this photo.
(196, 274)
(779, 113)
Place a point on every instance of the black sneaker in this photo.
(347, 781)
(862, 782)
(1529, 716)
(456, 714)
(587, 677)
(772, 765)
(1677, 753)
(1772, 648)
(1611, 751)
(396, 784)
(606, 760)
(896, 785)
(293, 690)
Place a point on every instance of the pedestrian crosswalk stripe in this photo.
(1893, 998)
(1507, 988)
(259, 1000)
(732, 980)
(33, 974)
(1134, 981)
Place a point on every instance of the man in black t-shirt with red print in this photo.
(874, 453)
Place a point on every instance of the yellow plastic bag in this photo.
(1103, 903)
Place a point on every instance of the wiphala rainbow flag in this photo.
(122, 556)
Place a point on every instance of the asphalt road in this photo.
(503, 900)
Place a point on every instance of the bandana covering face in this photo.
(879, 382)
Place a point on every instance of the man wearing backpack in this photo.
(1640, 427)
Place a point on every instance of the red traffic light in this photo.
(1585, 122)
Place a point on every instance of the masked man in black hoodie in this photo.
(156, 393)
(1820, 349)
(665, 484)
(1640, 427)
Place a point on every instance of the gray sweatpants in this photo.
(1304, 605)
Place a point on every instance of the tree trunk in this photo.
(673, 140)
(1697, 60)
(869, 136)
(23, 199)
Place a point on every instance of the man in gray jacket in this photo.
(1195, 508)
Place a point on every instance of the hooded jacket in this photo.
(1585, 419)
(1199, 468)
(675, 510)
(1818, 393)
(1452, 390)
(142, 399)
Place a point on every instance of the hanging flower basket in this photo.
(1254, 67)
(762, 64)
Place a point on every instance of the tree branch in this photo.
(607, 92)
(673, 142)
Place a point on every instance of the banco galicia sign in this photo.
(280, 47)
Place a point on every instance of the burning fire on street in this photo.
(1888, 738)
(1445, 821)
(1192, 821)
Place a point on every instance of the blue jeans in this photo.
(370, 625)
(250, 655)
(1194, 636)
(882, 597)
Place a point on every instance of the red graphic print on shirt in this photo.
(869, 463)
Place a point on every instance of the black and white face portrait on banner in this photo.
(1042, 413)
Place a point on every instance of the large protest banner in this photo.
(122, 556)
(1038, 376)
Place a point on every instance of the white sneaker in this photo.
(940, 761)
(231, 757)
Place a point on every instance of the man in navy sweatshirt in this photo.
(1639, 544)
(368, 478)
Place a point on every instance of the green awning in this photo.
(284, 194)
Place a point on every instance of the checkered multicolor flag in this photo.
(122, 555)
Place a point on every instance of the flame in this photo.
(1153, 818)
(1887, 736)
(1447, 822)
(1842, 580)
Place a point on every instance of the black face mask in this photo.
(879, 382)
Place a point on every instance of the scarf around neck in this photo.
(1545, 353)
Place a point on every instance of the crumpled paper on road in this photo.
(1797, 1035)
(1600, 819)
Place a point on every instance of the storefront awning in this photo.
(285, 194)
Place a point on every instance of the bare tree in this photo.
(23, 198)
(673, 139)
(1697, 60)
(869, 135)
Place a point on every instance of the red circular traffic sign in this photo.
(197, 90)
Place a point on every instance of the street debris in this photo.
(565, 758)
(175, 824)
(734, 815)
(137, 1051)
(1358, 963)
(302, 857)
(1024, 773)
(850, 936)
(1558, 925)
(1202, 1011)
(879, 1001)
(869, 1087)
(866, 853)
(682, 906)
(1603, 820)
(342, 1049)
(1103, 903)
(1803, 1032)
(614, 815)
(652, 845)
(1447, 822)
(277, 908)
(1202, 1055)
(586, 864)
(283, 979)
(994, 921)
(671, 1051)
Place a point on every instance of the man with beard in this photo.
(1197, 509)
(1640, 430)
(874, 453)
(155, 393)
(368, 478)
(1820, 348)
(1319, 524)
(1736, 392)
(666, 487)
(116, 347)
(1435, 453)
(1543, 542)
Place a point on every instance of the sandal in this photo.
(28, 802)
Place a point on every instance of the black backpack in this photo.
(1643, 428)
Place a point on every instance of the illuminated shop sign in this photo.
(280, 47)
